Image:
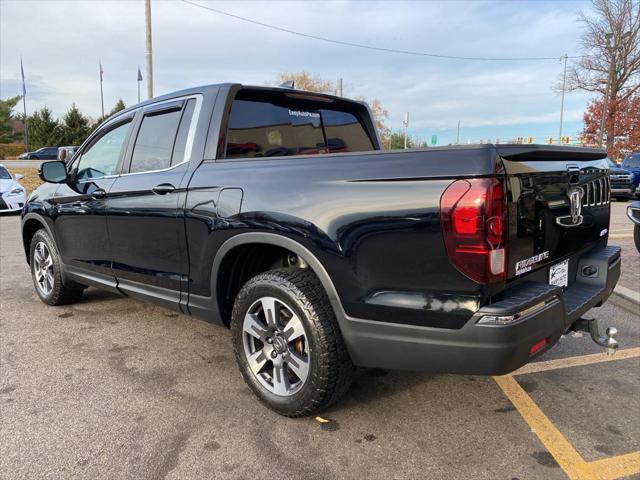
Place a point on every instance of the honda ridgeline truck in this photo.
(275, 212)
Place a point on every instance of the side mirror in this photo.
(53, 172)
(18, 176)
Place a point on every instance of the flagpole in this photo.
(24, 106)
(101, 93)
(26, 129)
(139, 78)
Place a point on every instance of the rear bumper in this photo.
(487, 349)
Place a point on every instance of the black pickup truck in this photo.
(275, 213)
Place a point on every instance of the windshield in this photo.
(632, 161)
(612, 164)
(4, 174)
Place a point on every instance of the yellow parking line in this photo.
(616, 467)
(558, 446)
(576, 361)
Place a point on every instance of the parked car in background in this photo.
(622, 186)
(66, 153)
(12, 194)
(44, 153)
(633, 212)
(632, 163)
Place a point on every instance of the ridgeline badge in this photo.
(524, 266)
(575, 200)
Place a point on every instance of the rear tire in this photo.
(287, 342)
(46, 272)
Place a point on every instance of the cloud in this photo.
(194, 46)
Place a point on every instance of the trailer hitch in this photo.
(590, 325)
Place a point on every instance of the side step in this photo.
(590, 325)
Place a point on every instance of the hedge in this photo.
(10, 150)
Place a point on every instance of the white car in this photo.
(12, 194)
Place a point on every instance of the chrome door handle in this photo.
(163, 188)
(99, 193)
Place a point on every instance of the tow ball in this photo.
(590, 325)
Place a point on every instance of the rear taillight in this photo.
(474, 227)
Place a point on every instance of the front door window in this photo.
(101, 158)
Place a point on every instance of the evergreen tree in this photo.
(44, 130)
(6, 116)
(396, 140)
(117, 107)
(75, 127)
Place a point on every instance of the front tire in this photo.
(46, 272)
(287, 342)
(636, 236)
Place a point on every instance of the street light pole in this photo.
(605, 102)
(405, 123)
(149, 51)
(564, 84)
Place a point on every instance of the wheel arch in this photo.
(31, 223)
(270, 240)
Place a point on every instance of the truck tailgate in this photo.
(558, 204)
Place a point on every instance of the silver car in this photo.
(12, 194)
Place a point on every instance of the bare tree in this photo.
(610, 42)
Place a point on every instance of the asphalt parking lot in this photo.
(113, 388)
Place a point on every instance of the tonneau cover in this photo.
(519, 152)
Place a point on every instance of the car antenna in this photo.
(287, 84)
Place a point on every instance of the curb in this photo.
(627, 294)
(626, 298)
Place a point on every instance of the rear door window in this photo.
(278, 126)
(154, 142)
(180, 146)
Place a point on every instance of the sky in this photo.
(61, 43)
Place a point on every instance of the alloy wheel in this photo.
(43, 268)
(276, 346)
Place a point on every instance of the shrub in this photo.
(10, 150)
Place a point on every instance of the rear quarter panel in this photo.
(371, 219)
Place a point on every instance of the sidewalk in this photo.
(630, 275)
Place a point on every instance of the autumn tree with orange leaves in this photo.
(624, 126)
(610, 56)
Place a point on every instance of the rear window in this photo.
(632, 161)
(268, 124)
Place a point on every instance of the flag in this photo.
(24, 87)
(101, 70)
(139, 75)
